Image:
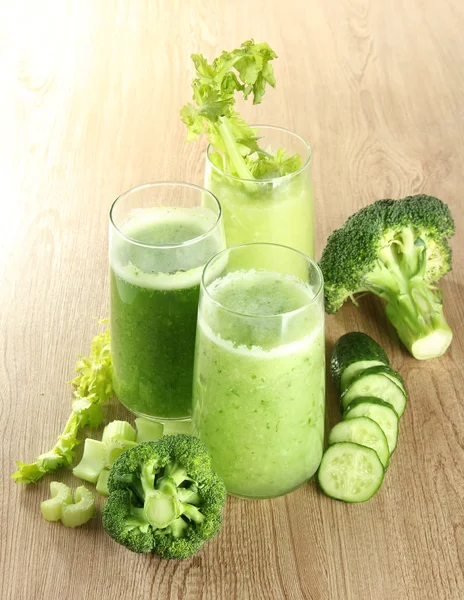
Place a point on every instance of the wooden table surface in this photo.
(89, 107)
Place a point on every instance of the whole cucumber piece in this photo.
(354, 352)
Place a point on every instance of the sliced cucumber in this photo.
(351, 348)
(350, 472)
(363, 431)
(381, 382)
(351, 372)
(379, 411)
(395, 377)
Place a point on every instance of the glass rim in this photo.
(182, 184)
(262, 181)
(308, 259)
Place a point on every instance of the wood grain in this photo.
(90, 93)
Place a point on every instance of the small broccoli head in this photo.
(396, 249)
(164, 497)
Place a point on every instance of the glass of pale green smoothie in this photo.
(259, 374)
(161, 237)
(272, 208)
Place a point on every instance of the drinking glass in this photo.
(161, 236)
(277, 209)
(259, 375)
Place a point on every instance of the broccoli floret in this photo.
(398, 250)
(164, 497)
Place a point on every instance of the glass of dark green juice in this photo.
(161, 236)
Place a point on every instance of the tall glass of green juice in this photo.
(161, 237)
(259, 375)
(275, 208)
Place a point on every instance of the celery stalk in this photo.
(119, 430)
(92, 462)
(60, 496)
(73, 515)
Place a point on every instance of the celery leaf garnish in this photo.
(247, 70)
(92, 386)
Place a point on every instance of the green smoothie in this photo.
(259, 382)
(278, 210)
(154, 302)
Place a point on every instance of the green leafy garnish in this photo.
(247, 69)
(92, 386)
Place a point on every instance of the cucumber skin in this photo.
(372, 399)
(353, 347)
(358, 367)
(389, 372)
(365, 448)
(379, 402)
(386, 460)
(394, 376)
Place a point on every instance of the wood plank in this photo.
(89, 107)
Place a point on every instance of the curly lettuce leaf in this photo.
(92, 387)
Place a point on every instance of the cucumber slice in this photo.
(363, 431)
(352, 348)
(381, 382)
(351, 372)
(379, 411)
(350, 472)
(395, 377)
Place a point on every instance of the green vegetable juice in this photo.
(259, 383)
(154, 301)
(279, 210)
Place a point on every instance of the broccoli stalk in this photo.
(396, 250)
(164, 498)
(413, 305)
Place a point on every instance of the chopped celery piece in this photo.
(119, 430)
(73, 515)
(60, 496)
(148, 430)
(175, 427)
(102, 482)
(92, 462)
(115, 448)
